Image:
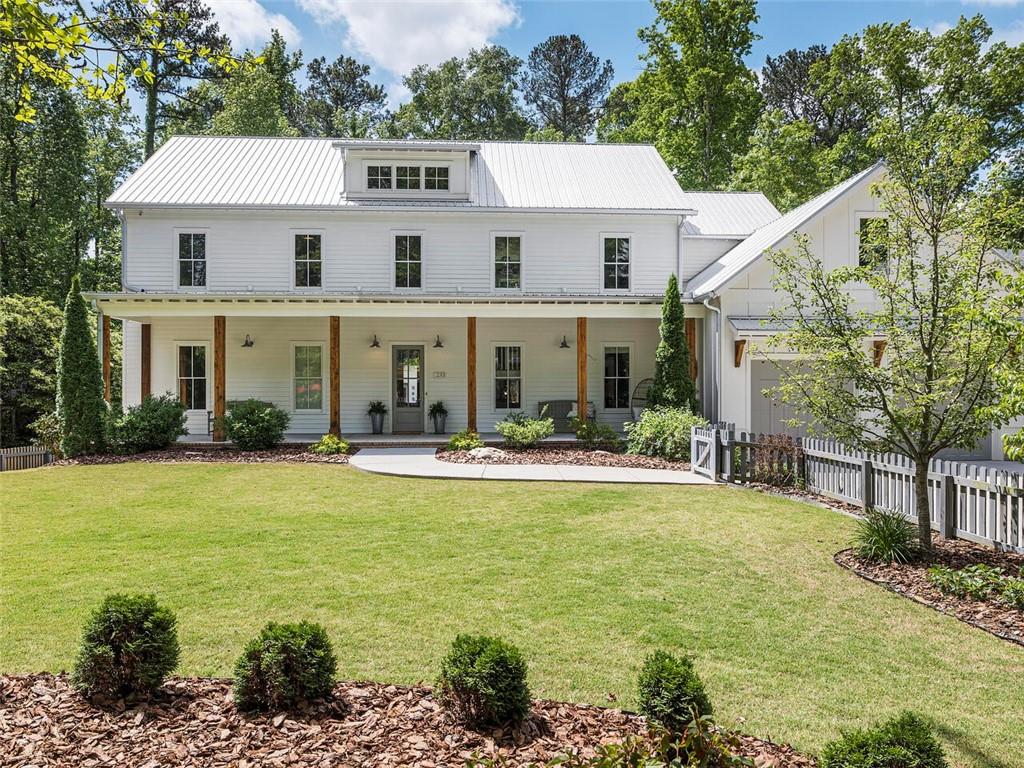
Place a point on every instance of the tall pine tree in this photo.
(80, 407)
(672, 384)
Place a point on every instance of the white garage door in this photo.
(768, 416)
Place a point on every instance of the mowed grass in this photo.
(585, 578)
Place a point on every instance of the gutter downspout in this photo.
(679, 250)
(716, 359)
(124, 248)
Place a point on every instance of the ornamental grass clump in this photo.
(671, 693)
(285, 666)
(884, 536)
(129, 645)
(483, 682)
(905, 741)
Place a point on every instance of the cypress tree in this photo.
(81, 410)
(672, 384)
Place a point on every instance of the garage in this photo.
(768, 416)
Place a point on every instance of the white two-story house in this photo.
(493, 277)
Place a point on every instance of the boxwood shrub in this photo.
(520, 431)
(466, 440)
(155, 423)
(663, 432)
(671, 692)
(253, 425)
(483, 681)
(905, 741)
(285, 665)
(129, 645)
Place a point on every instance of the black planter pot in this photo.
(439, 421)
(377, 423)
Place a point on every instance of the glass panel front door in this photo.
(408, 389)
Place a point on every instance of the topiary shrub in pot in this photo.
(663, 432)
(285, 665)
(483, 681)
(885, 536)
(129, 645)
(253, 425)
(670, 692)
(155, 423)
(905, 741)
(438, 415)
(377, 411)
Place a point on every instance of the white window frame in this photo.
(628, 345)
(419, 168)
(855, 232)
(324, 394)
(522, 375)
(292, 234)
(423, 178)
(632, 261)
(395, 234)
(209, 373)
(494, 235)
(175, 265)
(377, 164)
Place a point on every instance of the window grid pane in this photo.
(507, 262)
(191, 259)
(378, 177)
(616, 377)
(408, 261)
(307, 261)
(616, 263)
(308, 378)
(192, 377)
(407, 177)
(435, 178)
(508, 377)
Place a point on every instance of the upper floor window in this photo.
(192, 377)
(407, 177)
(508, 262)
(616, 263)
(872, 241)
(308, 381)
(616, 377)
(508, 377)
(307, 261)
(378, 177)
(408, 261)
(435, 177)
(191, 259)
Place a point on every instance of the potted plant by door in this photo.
(377, 411)
(438, 414)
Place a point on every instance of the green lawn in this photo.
(586, 579)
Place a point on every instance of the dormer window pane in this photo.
(378, 177)
(408, 177)
(436, 178)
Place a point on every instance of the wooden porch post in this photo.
(219, 327)
(581, 369)
(335, 358)
(145, 350)
(471, 373)
(105, 342)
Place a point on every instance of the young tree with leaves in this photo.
(81, 410)
(566, 84)
(29, 333)
(252, 106)
(781, 162)
(672, 385)
(340, 100)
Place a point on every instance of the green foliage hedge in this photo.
(155, 423)
(30, 332)
(885, 536)
(520, 431)
(253, 425)
(466, 440)
(663, 432)
(285, 665)
(483, 681)
(905, 741)
(129, 645)
(670, 692)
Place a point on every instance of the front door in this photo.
(407, 366)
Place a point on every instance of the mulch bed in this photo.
(192, 722)
(184, 454)
(578, 456)
(911, 581)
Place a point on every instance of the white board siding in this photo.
(131, 364)
(699, 252)
(254, 251)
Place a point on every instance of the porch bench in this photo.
(560, 410)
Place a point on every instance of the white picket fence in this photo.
(968, 501)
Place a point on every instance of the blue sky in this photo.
(394, 35)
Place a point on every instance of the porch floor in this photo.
(367, 440)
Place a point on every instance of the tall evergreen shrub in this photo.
(672, 384)
(81, 410)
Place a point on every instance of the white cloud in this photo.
(1011, 35)
(248, 23)
(397, 36)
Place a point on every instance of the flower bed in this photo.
(44, 722)
(554, 455)
(911, 580)
(190, 454)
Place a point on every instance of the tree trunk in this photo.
(924, 518)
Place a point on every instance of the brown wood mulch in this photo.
(192, 722)
(577, 456)
(184, 455)
(911, 580)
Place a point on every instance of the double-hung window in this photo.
(616, 377)
(508, 377)
(407, 177)
(435, 177)
(378, 177)
(508, 262)
(308, 261)
(872, 237)
(615, 263)
(191, 259)
(408, 261)
(192, 376)
(308, 381)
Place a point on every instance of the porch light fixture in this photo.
(437, 343)
(248, 342)
(375, 344)
(564, 344)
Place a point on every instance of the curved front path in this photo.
(421, 462)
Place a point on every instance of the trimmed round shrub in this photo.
(520, 431)
(154, 424)
(905, 741)
(885, 536)
(466, 440)
(129, 645)
(483, 681)
(286, 664)
(662, 432)
(670, 692)
(253, 425)
(330, 445)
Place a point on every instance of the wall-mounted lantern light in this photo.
(248, 342)
(437, 343)
(564, 344)
(375, 344)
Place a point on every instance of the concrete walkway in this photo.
(421, 462)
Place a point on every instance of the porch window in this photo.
(408, 177)
(378, 177)
(616, 377)
(307, 261)
(872, 237)
(507, 262)
(308, 384)
(191, 259)
(508, 377)
(192, 377)
(435, 178)
(408, 261)
(616, 263)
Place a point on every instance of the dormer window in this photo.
(378, 177)
(436, 177)
(408, 177)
